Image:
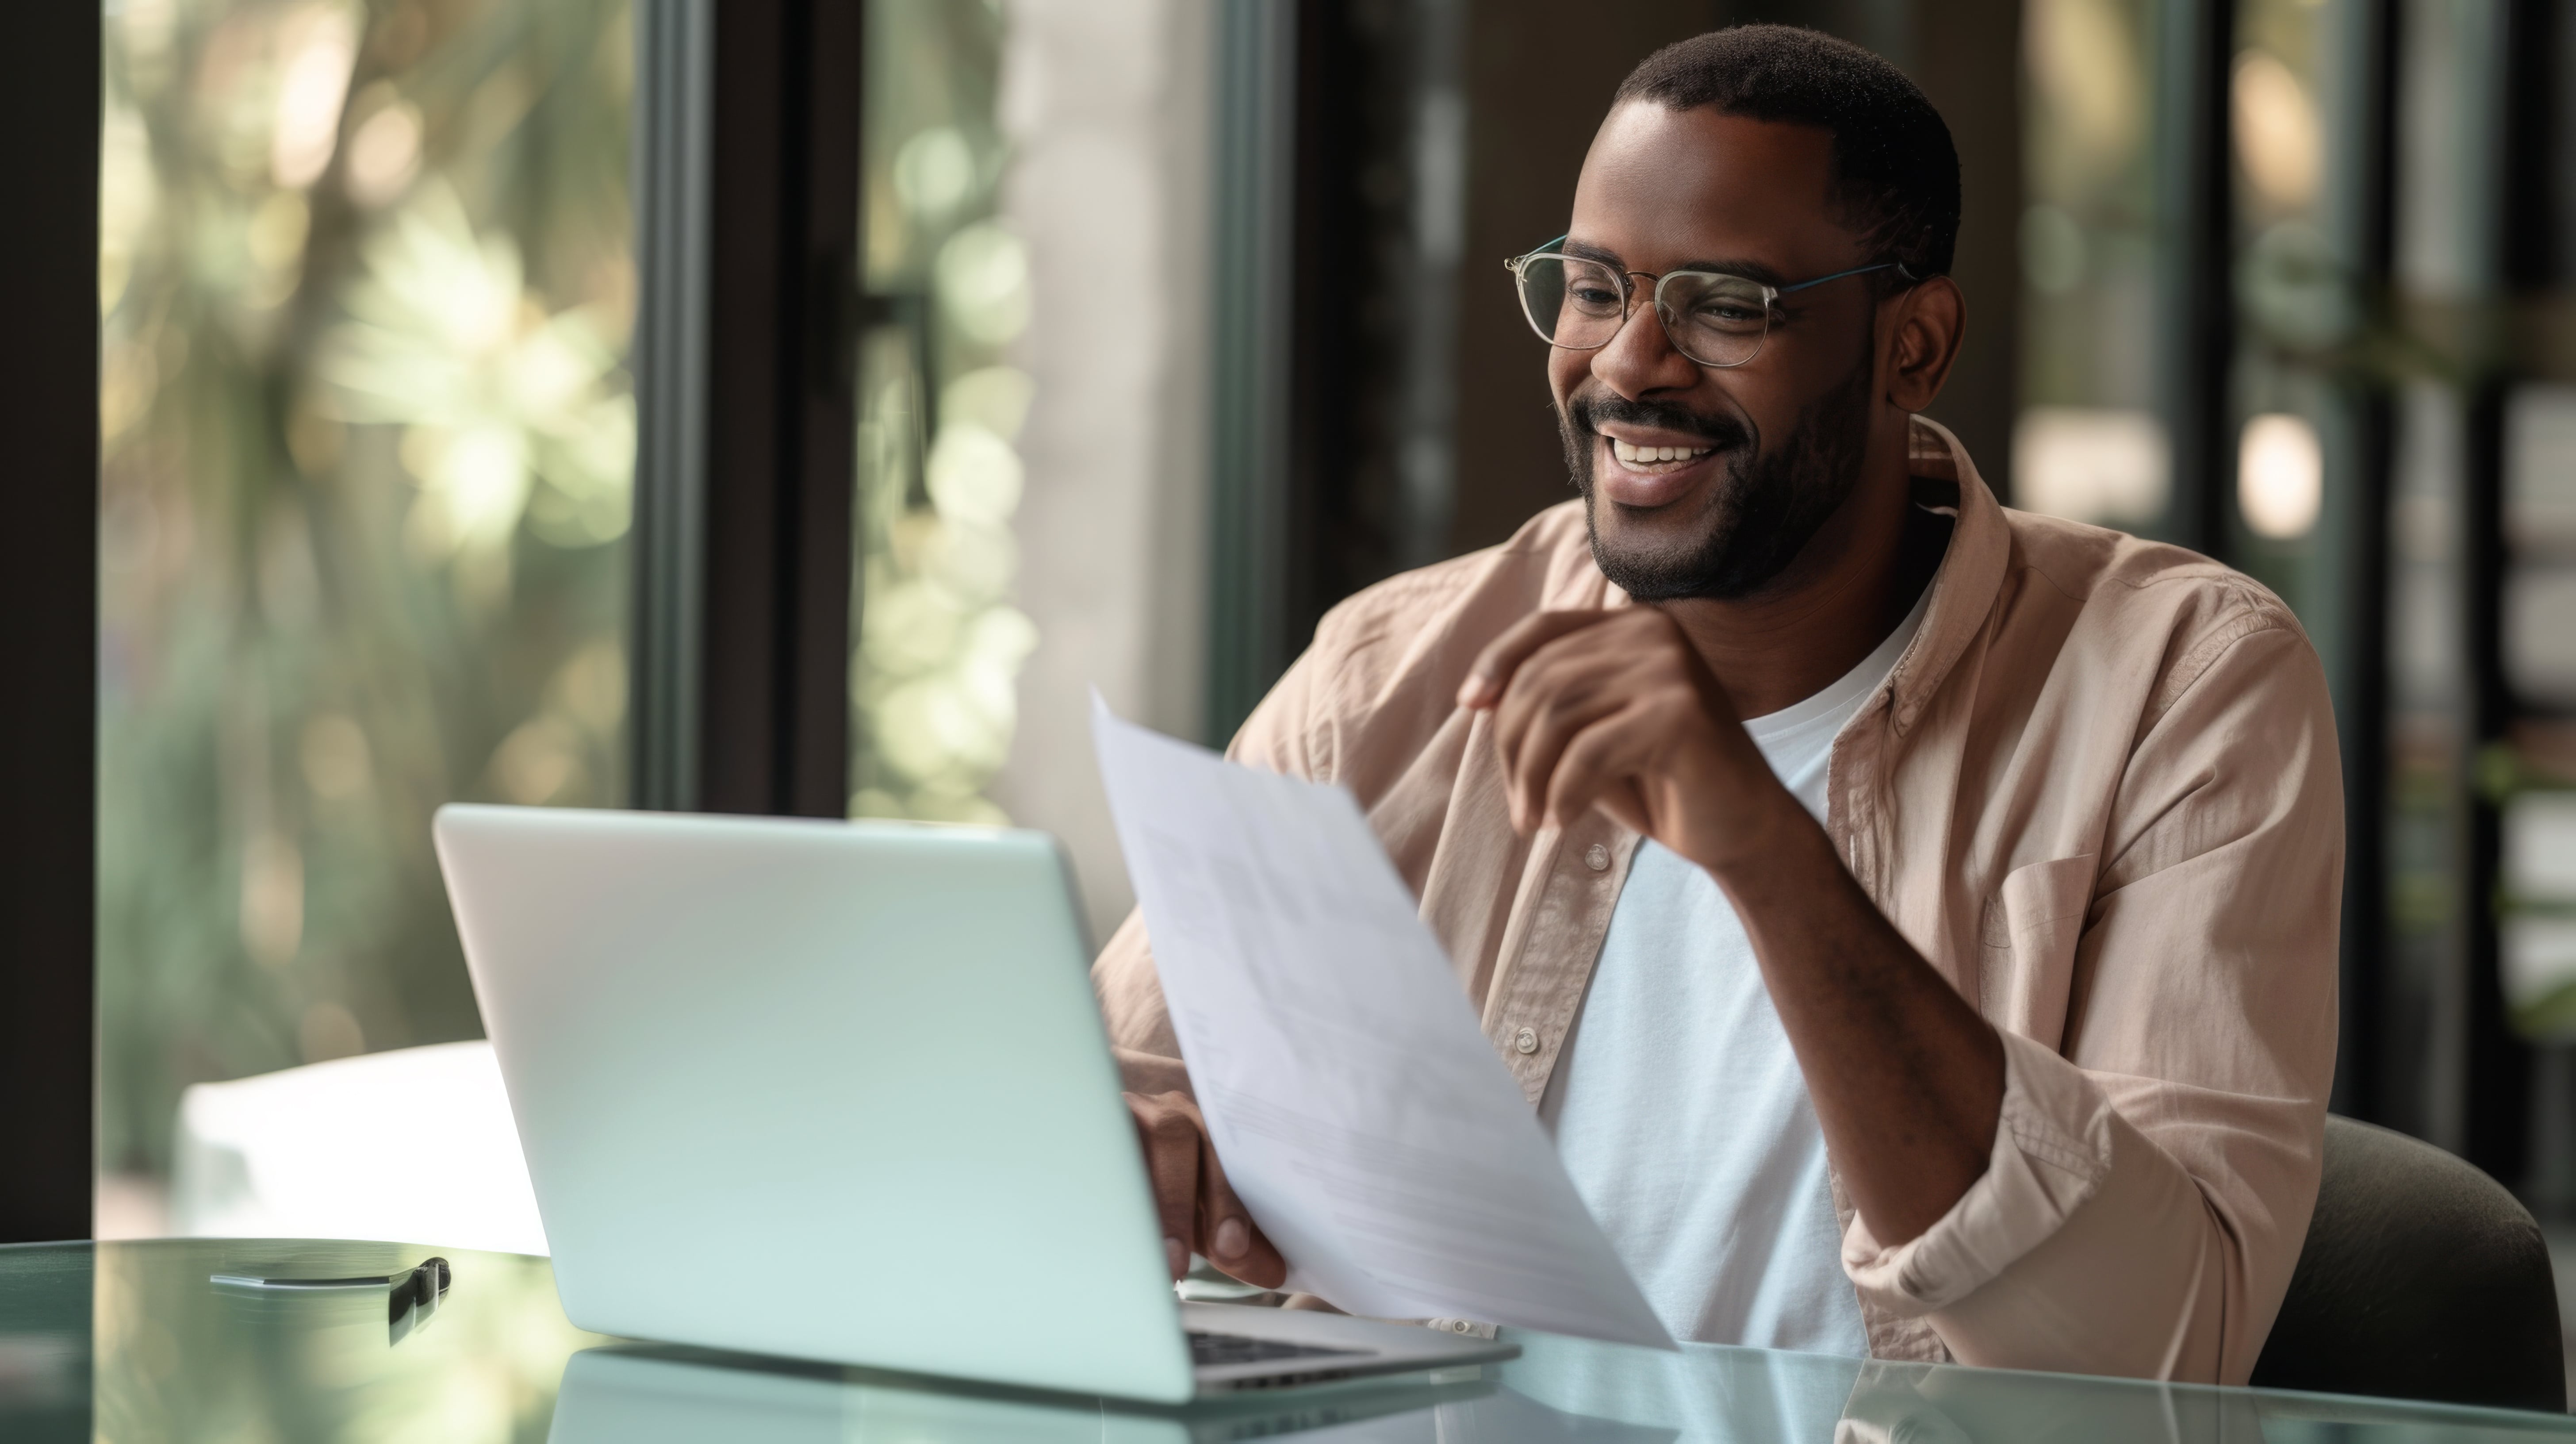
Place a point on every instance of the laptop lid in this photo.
(822, 1090)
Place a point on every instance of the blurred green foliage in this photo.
(939, 645)
(365, 278)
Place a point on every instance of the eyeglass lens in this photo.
(1715, 320)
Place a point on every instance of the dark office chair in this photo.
(2421, 1279)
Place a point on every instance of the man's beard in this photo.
(1770, 503)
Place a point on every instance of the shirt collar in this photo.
(1971, 571)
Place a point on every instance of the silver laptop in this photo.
(840, 1092)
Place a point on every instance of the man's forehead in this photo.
(1662, 188)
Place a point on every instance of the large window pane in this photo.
(939, 644)
(2442, 263)
(2089, 443)
(2299, 129)
(366, 283)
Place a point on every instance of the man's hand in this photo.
(1199, 1211)
(1616, 709)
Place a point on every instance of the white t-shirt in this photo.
(1678, 1107)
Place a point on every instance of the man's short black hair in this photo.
(1896, 172)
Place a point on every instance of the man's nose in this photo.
(1641, 358)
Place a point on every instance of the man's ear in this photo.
(1931, 317)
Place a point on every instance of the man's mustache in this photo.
(1587, 411)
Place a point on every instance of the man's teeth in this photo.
(1647, 455)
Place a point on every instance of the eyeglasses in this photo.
(1713, 318)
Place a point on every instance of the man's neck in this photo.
(1849, 588)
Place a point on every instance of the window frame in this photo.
(747, 214)
(50, 86)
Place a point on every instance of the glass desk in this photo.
(293, 1341)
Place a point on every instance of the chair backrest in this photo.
(2422, 1278)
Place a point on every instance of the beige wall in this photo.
(1106, 105)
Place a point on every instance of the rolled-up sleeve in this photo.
(2153, 1173)
(2052, 1149)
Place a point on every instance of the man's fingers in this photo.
(1532, 759)
(1625, 801)
(1560, 672)
(1227, 1234)
(1196, 1206)
(1600, 760)
(1494, 666)
(1563, 684)
(1170, 1137)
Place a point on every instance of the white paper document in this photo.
(1358, 1109)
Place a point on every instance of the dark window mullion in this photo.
(750, 214)
(50, 97)
(2364, 576)
(2198, 348)
(2523, 77)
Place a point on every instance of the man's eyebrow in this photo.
(1749, 269)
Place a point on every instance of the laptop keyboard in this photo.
(1211, 1349)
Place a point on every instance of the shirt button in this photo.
(1597, 858)
(1526, 1040)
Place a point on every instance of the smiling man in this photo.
(1914, 919)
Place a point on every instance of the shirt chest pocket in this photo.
(2029, 932)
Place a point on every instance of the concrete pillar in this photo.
(1106, 104)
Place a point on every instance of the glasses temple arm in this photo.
(1896, 266)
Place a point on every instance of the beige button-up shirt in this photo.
(2099, 792)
